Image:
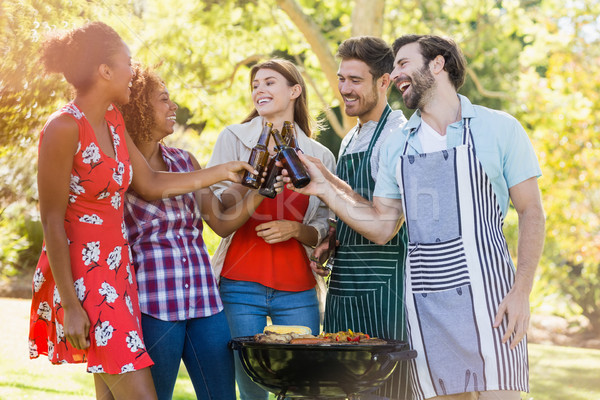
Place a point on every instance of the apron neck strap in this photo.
(379, 128)
(467, 137)
(380, 124)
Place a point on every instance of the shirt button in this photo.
(178, 236)
(187, 286)
(183, 259)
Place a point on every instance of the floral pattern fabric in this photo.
(100, 261)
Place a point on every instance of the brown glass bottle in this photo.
(267, 188)
(291, 162)
(332, 244)
(325, 260)
(259, 156)
(292, 140)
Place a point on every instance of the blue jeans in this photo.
(247, 305)
(202, 343)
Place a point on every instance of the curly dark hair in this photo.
(139, 112)
(78, 52)
(432, 46)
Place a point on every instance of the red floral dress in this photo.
(100, 261)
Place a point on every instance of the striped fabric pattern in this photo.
(497, 269)
(366, 284)
(438, 266)
(477, 261)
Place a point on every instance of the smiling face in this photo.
(121, 73)
(358, 89)
(412, 76)
(272, 95)
(164, 113)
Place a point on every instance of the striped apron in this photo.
(366, 284)
(458, 271)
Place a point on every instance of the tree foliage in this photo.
(536, 59)
(560, 94)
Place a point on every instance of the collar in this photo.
(467, 111)
(249, 132)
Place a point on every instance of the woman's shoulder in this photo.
(244, 128)
(320, 149)
(63, 124)
(60, 131)
(247, 132)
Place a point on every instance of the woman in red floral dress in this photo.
(85, 304)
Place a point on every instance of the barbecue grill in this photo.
(319, 371)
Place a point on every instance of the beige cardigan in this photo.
(235, 143)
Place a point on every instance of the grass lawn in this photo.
(557, 373)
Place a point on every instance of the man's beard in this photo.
(421, 86)
(370, 102)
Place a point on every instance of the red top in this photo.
(281, 266)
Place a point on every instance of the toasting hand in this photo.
(233, 170)
(315, 169)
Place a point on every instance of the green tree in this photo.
(538, 60)
(560, 94)
(27, 98)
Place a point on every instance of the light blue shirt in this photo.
(501, 145)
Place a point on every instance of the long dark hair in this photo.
(293, 77)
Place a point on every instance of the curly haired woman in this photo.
(182, 313)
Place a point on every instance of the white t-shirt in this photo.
(359, 137)
(431, 141)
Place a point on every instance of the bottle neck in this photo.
(292, 138)
(264, 135)
(279, 142)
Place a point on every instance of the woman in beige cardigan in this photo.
(264, 265)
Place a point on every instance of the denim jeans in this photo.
(247, 305)
(202, 343)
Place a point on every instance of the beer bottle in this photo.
(259, 156)
(325, 260)
(332, 243)
(267, 188)
(293, 138)
(291, 162)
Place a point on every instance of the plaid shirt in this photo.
(175, 279)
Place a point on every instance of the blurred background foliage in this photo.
(536, 59)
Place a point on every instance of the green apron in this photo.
(366, 286)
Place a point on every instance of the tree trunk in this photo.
(367, 19)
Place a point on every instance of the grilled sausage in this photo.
(314, 340)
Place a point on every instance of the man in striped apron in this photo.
(366, 285)
(452, 177)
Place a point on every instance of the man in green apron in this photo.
(366, 285)
(451, 178)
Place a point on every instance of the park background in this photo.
(538, 60)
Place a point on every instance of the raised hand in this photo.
(233, 170)
(315, 169)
